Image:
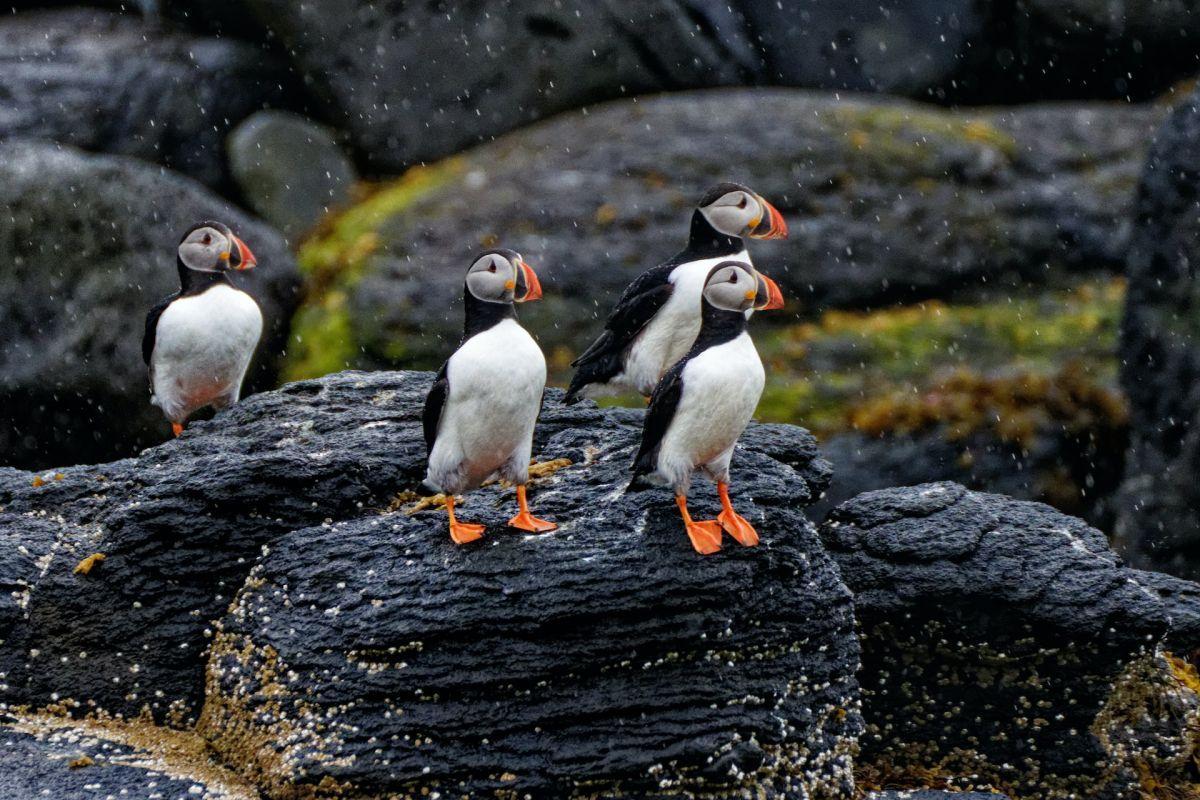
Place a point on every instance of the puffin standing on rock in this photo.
(480, 413)
(658, 316)
(705, 401)
(198, 342)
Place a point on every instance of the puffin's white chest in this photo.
(721, 389)
(670, 334)
(496, 379)
(202, 347)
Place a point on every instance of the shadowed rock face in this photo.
(610, 624)
(992, 631)
(885, 201)
(1159, 503)
(88, 245)
(113, 83)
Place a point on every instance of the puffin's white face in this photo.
(732, 287)
(741, 212)
(503, 277)
(210, 249)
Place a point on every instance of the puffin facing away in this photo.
(704, 402)
(480, 413)
(658, 316)
(199, 341)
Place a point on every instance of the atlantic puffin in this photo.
(658, 316)
(482, 407)
(705, 401)
(199, 341)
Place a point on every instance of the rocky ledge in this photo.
(265, 608)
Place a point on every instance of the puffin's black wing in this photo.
(659, 414)
(152, 328)
(640, 301)
(434, 402)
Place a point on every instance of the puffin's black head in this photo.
(502, 276)
(735, 210)
(737, 286)
(212, 247)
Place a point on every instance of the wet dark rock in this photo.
(43, 756)
(289, 169)
(392, 661)
(992, 633)
(979, 52)
(181, 526)
(887, 201)
(1159, 515)
(117, 84)
(1076, 472)
(411, 82)
(88, 244)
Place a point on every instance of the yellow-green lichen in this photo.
(898, 365)
(335, 257)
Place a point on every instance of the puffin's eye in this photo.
(207, 239)
(733, 277)
(742, 202)
(492, 267)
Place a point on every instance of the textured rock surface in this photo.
(89, 246)
(391, 73)
(932, 794)
(885, 200)
(42, 756)
(113, 83)
(387, 659)
(992, 632)
(181, 526)
(289, 169)
(1159, 522)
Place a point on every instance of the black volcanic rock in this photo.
(88, 243)
(886, 200)
(300, 477)
(412, 82)
(390, 661)
(992, 633)
(1159, 505)
(117, 84)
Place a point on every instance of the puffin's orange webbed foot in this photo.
(734, 523)
(526, 521)
(705, 535)
(176, 428)
(462, 532)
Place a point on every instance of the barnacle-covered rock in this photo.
(43, 756)
(747, 657)
(993, 631)
(373, 657)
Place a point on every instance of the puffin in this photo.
(704, 402)
(658, 316)
(481, 410)
(199, 341)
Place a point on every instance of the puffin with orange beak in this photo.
(702, 405)
(199, 341)
(483, 405)
(658, 316)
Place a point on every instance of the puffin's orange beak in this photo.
(768, 294)
(246, 259)
(533, 287)
(771, 226)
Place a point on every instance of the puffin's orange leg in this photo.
(734, 523)
(177, 428)
(461, 532)
(705, 535)
(526, 521)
